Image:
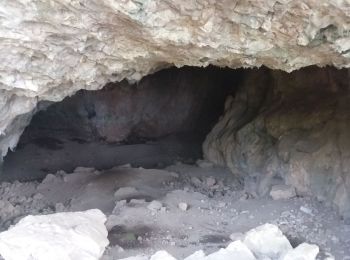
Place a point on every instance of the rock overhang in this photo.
(51, 49)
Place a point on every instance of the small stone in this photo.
(210, 181)
(155, 205)
(222, 204)
(163, 209)
(306, 210)
(304, 251)
(244, 196)
(282, 192)
(183, 206)
(196, 182)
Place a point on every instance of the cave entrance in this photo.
(162, 119)
(193, 158)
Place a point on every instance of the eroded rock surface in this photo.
(171, 101)
(51, 49)
(293, 127)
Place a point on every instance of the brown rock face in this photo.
(290, 126)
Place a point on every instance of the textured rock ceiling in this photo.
(51, 48)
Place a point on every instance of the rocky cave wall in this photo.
(50, 49)
(289, 127)
(173, 101)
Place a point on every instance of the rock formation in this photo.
(293, 127)
(296, 130)
(50, 49)
(171, 101)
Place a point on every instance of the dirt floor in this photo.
(181, 209)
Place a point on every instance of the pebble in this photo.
(210, 181)
(155, 205)
(306, 210)
(183, 206)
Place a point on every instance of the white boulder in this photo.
(60, 236)
(304, 251)
(267, 241)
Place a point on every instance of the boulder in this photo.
(60, 236)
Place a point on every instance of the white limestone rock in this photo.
(235, 250)
(304, 251)
(267, 241)
(282, 192)
(60, 236)
(183, 206)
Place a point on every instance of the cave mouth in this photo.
(192, 158)
(154, 123)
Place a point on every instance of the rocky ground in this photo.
(180, 209)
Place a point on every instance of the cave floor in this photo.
(217, 208)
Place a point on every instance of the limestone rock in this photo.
(267, 241)
(304, 251)
(183, 206)
(63, 236)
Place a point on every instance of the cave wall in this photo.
(294, 127)
(173, 101)
(50, 49)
